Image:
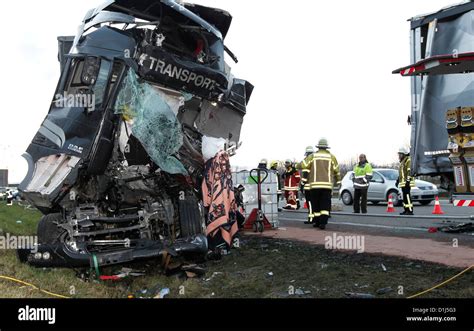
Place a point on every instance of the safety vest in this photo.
(404, 173)
(292, 180)
(321, 168)
(362, 175)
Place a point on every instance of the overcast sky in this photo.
(320, 69)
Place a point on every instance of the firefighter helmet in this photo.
(309, 149)
(274, 164)
(404, 151)
(323, 143)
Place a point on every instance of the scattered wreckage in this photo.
(118, 169)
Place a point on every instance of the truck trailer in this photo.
(442, 98)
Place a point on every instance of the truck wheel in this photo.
(48, 231)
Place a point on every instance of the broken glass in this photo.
(153, 122)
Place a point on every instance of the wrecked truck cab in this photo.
(117, 164)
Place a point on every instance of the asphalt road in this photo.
(447, 208)
(379, 222)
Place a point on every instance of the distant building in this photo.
(3, 177)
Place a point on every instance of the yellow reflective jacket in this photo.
(320, 169)
(404, 173)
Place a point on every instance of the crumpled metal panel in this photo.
(436, 94)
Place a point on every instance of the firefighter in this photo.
(323, 169)
(362, 176)
(405, 180)
(292, 183)
(263, 164)
(305, 186)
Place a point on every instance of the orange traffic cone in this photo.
(437, 208)
(390, 208)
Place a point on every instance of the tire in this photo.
(396, 201)
(347, 199)
(48, 231)
(426, 202)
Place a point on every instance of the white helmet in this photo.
(403, 150)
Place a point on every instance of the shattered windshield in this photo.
(153, 122)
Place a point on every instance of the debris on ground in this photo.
(156, 292)
(384, 268)
(213, 275)
(384, 290)
(432, 230)
(194, 269)
(299, 292)
(190, 274)
(164, 292)
(460, 228)
(123, 273)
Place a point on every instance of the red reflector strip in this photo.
(463, 203)
(411, 70)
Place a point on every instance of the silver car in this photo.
(382, 187)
